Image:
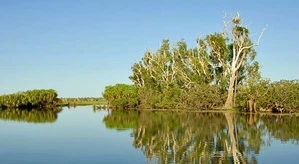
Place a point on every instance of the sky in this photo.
(77, 47)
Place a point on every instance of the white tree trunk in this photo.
(230, 96)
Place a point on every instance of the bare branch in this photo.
(263, 30)
(139, 80)
(247, 47)
(225, 23)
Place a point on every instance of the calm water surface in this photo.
(85, 135)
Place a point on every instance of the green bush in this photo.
(122, 96)
(29, 99)
(283, 93)
(198, 97)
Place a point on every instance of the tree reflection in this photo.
(121, 119)
(180, 137)
(30, 116)
(282, 127)
(202, 137)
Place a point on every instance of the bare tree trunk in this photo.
(235, 89)
(230, 97)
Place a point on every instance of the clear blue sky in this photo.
(77, 47)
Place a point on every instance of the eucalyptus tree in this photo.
(223, 59)
(173, 66)
(192, 65)
(242, 50)
(164, 75)
(155, 69)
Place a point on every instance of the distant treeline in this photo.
(38, 99)
(85, 99)
(81, 101)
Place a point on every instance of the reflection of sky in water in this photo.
(80, 136)
(279, 152)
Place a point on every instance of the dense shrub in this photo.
(284, 93)
(121, 96)
(204, 97)
(29, 99)
(198, 97)
(154, 99)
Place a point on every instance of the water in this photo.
(84, 135)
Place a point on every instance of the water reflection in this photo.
(174, 137)
(30, 116)
(282, 127)
(121, 120)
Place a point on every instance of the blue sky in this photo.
(78, 47)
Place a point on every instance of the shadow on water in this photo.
(30, 115)
(203, 137)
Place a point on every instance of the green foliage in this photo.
(204, 97)
(284, 93)
(182, 77)
(121, 96)
(30, 99)
(198, 97)
(239, 31)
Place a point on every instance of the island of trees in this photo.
(37, 99)
(220, 72)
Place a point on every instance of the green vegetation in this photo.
(282, 93)
(81, 101)
(40, 99)
(220, 72)
(121, 96)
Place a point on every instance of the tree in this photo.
(220, 60)
(242, 48)
(170, 77)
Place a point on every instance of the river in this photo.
(86, 135)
